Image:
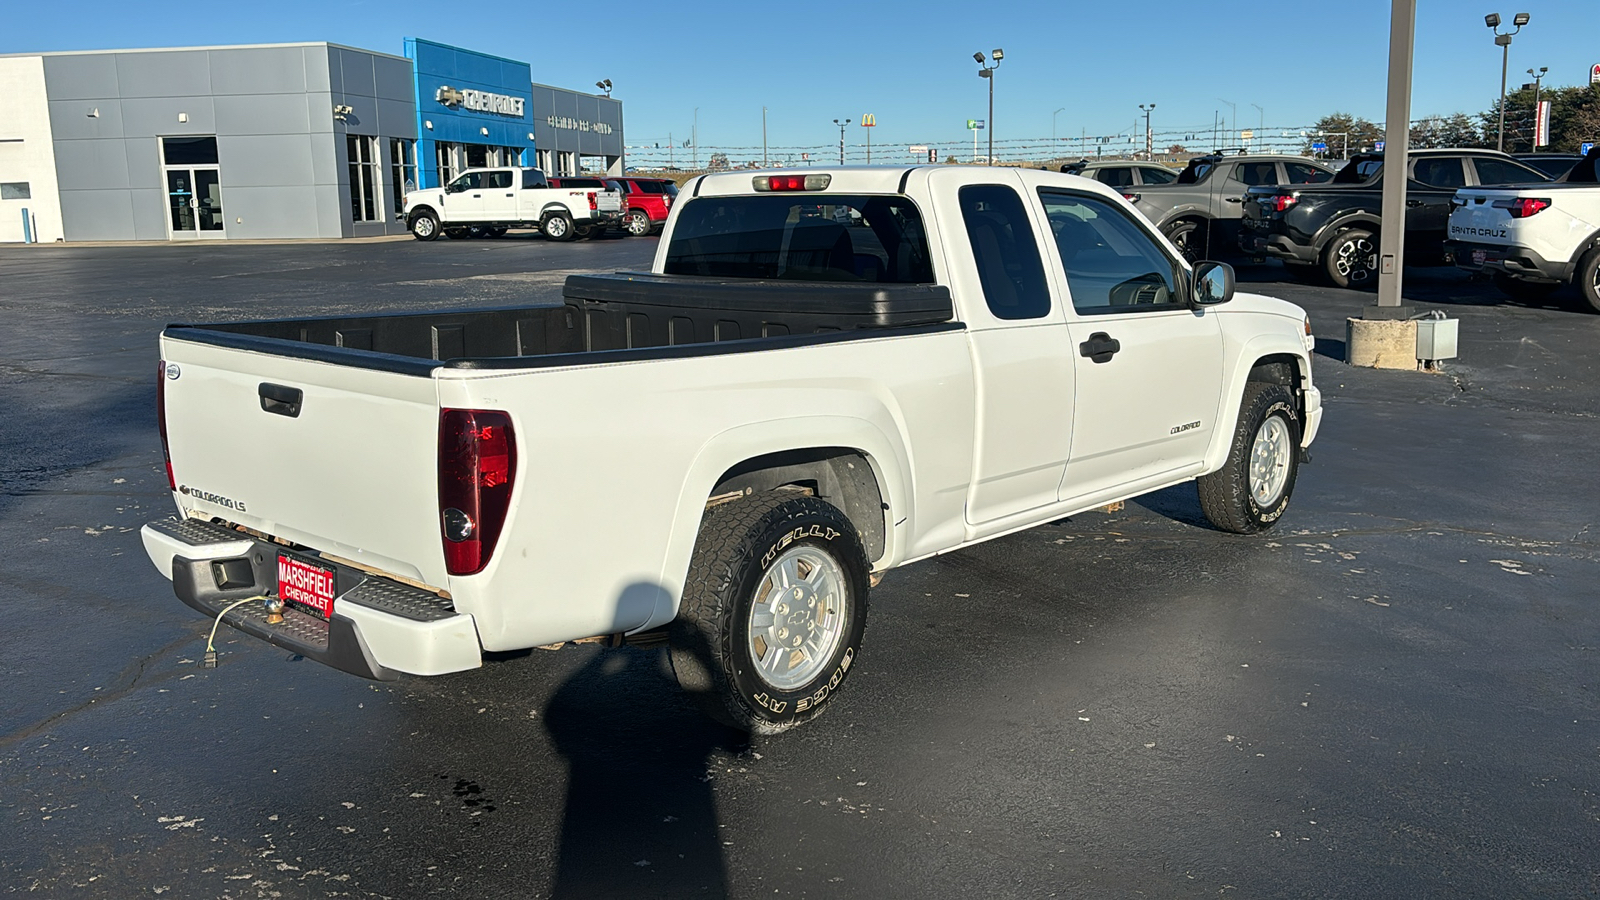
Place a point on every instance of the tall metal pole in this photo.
(1396, 148)
(990, 123)
(1505, 59)
(763, 137)
(694, 139)
(1053, 127)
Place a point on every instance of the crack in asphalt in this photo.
(133, 674)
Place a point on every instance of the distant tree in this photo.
(1458, 131)
(950, 160)
(1344, 134)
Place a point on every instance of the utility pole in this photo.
(1149, 139)
(694, 140)
(986, 70)
(671, 157)
(1261, 123)
(763, 137)
(1235, 107)
(841, 138)
(1396, 147)
(1053, 127)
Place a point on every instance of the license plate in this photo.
(1478, 257)
(306, 584)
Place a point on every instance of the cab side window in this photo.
(1116, 176)
(1439, 172)
(1112, 264)
(1300, 173)
(533, 179)
(469, 182)
(499, 179)
(1256, 173)
(1009, 266)
(1157, 176)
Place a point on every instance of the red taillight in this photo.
(791, 182)
(1523, 207)
(593, 203)
(161, 420)
(477, 468)
(786, 183)
(1280, 202)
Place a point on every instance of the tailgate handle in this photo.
(280, 399)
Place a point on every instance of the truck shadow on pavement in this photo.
(640, 817)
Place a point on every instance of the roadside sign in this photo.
(868, 120)
(917, 150)
(1594, 74)
(1319, 146)
(1378, 146)
(1585, 147)
(975, 124)
(1541, 125)
(805, 156)
(1247, 135)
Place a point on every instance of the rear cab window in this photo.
(1006, 252)
(1440, 172)
(1256, 173)
(1504, 171)
(1157, 176)
(1300, 173)
(802, 237)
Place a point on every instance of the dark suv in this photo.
(645, 203)
(1332, 228)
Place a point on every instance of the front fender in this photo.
(886, 453)
(1242, 357)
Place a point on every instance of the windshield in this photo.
(802, 237)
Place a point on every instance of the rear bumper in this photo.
(1510, 259)
(380, 628)
(1255, 243)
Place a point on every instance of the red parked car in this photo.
(646, 203)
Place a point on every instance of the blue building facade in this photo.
(473, 110)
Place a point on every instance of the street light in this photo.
(1233, 132)
(1149, 145)
(1261, 124)
(841, 138)
(1503, 40)
(987, 71)
(1538, 78)
(604, 85)
(1053, 124)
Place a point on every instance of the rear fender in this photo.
(1362, 219)
(723, 452)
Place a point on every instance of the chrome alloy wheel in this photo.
(423, 226)
(1356, 260)
(555, 227)
(1269, 462)
(638, 224)
(797, 617)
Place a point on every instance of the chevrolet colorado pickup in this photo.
(827, 374)
(1534, 239)
(487, 202)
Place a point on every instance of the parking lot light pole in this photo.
(1503, 39)
(1538, 79)
(1149, 139)
(1053, 126)
(1396, 146)
(841, 138)
(1234, 130)
(986, 70)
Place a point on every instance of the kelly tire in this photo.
(1351, 259)
(1190, 237)
(1252, 489)
(638, 224)
(424, 226)
(747, 559)
(557, 226)
(1587, 279)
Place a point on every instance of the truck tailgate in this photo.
(351, 470)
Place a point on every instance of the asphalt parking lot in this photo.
(1393, 694)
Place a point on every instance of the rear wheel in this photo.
(1251, 490)
(1525, 291)
(1587, 278)
(557, 226)
(425, 226)
(495, 231)
(456, 234)
(773, 612)
(1351, 259)
(1189, 236)
(638, 223)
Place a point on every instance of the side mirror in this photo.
(1213, 283)
(454, 188)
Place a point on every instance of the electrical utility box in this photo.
(1436, 338)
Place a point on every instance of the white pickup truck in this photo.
(487, 202)
(827, 374)
(1536, 238)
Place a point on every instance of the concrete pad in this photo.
(1381, 344)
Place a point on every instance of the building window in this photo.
(15, 190)
(365, 167)
(402, 169)
(446, 160)
(544, 162)
(477, 156)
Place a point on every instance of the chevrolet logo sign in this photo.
(449, 96)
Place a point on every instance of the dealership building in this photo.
(309, 140)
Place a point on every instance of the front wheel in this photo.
(773, 612)
(1251, 490)
(1351, 259)
(638, 223)
(425, 226)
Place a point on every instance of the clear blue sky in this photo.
(909, 63)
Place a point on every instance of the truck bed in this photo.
(600, 314)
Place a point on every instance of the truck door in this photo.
(463, 200)
(530, 198)
(499, 196)
(1018, 340)
(1434, 181)
(1148, 365)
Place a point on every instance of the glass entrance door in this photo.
(194, 187)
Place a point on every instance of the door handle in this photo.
(280, 399)
(511, 195)
(1100, 347)
(1234, 199)
(477, 196)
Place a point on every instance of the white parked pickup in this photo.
(487, 202)
(826, 375)
(1534, 238)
